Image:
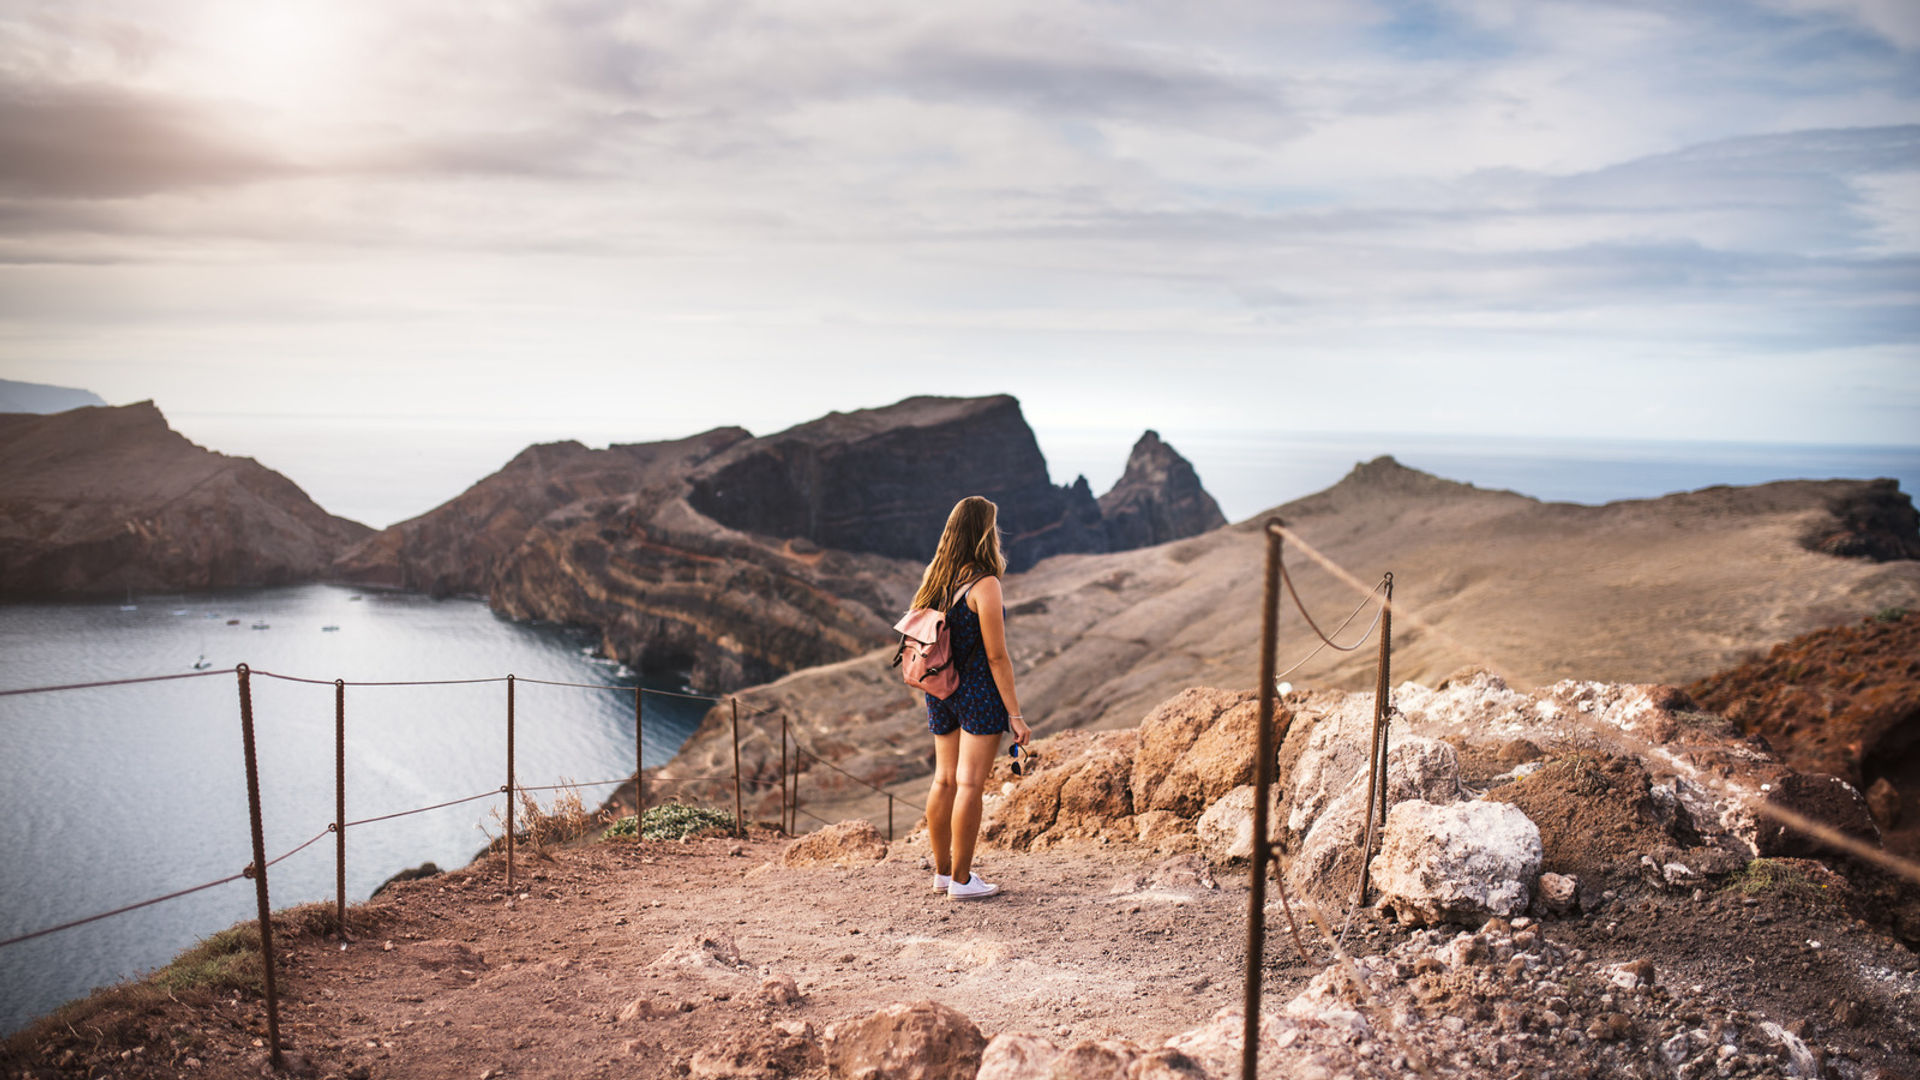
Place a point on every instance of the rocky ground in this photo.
(1614, 904)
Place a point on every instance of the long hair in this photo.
(969, 549)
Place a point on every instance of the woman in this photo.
(964, 580)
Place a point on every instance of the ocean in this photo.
(117, 794)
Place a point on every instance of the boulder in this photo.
(1016, 1055)
(1219, 760)
(922, 1040)
(1463, 861)
(1225, 831)
(1079, 790)
(1326, 867)
(845, 844)
(1169, 731)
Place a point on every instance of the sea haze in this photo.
(114, 795)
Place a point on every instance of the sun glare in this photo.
(275, 53)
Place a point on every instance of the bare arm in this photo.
(987, 602)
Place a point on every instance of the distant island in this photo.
(27, 397)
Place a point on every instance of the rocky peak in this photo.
(1158, 499)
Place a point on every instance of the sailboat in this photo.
(129, 605)
(203, 663)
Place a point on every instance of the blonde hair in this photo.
(969, 550)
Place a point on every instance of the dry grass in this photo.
(563, 821)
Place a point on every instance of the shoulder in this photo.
(986, 592)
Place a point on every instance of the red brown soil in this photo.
(1844, 701)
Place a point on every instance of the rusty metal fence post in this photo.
(785, 828)
(340, 805)
(1263, 783)
(889, 817)
(739, 826)
(639, 766)
(258, 869)
(509, 783)
(1377, 748)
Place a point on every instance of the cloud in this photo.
(92, 141)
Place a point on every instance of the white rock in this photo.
(1327, 866)
(1464, 860)
(1226, 828)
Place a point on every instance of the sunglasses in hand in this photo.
(1016, 752)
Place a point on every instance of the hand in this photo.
(1021, 732)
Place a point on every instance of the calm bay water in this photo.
(113, 795)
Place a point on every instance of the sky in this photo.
(381, 246)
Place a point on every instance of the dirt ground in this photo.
(627, 960)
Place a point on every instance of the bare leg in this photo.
(975, 763)
(946, 755)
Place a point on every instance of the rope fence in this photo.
(257, 868)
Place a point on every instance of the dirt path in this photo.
(613, 960)
(1082, 944)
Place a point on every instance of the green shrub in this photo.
(1890, 614)
(672, 821)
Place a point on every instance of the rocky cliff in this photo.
(98, 500)
(883, 480)
(1158, 499)
(738, 559)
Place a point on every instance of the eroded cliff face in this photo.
(883, 480)
(669, 588)
(98, 500)
(457, 547)
(1158, 499)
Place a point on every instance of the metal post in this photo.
(889, 817)
(509, 783)
(786, 829)
(1263, 783)
(639, 767)
(1377, 748)
(1383, 694)
(340, 805)
(258, 870)
(739, 828)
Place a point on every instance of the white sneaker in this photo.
(940, 882)
(972, 889)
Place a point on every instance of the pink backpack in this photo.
(925, 656)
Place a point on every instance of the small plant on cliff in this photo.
(1890, 614)
(672, 821)
(564, 820)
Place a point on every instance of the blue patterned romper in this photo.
(974, 706)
